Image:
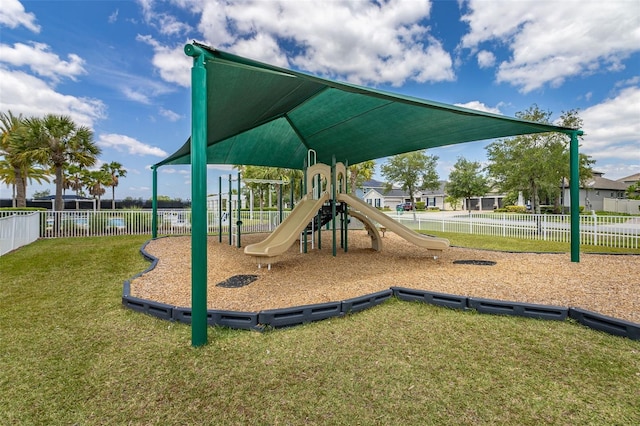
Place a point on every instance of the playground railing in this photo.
(605, 231)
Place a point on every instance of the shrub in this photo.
(511, 209)
(420, 205)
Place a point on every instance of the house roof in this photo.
(630, 179)
(599, 182)
(372, 183)
(259, 114)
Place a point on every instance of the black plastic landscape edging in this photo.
(607, 324)
(287, 317)
(440, 299)
(528, 310)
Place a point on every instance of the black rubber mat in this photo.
(237, 281)
(475, 262)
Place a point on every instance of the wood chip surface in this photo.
(608, 284)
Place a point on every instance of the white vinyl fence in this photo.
(606, 231)
(17, 230)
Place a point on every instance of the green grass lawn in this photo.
(71, 354)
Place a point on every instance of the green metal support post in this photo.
(239, 222)
(230, 210)
(154, 203)
(333, 203)
(346, 208)
(219, 209)
(574, 191)
(198, 196)
(291, 185)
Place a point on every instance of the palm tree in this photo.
(30, 173)
(56, 140)
(359, 173)
(115, 170)
(12, 148)
(72, 177)
(95, 181)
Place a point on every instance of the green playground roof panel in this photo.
(263, 115)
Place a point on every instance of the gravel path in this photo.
(607, 284)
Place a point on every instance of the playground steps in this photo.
(324, 216)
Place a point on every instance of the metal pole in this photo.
(574, 192)
(230, 210)
(154, 203)
(345, 207)
(333, 204)
(291, 185)
(198, 196)
(219, 209)
(280, 206)
(239, 222)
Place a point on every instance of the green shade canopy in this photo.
(263, 115)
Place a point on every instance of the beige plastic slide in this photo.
(425, 241)
(376, 241)
(288, 231)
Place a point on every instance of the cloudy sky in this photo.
(120, 68)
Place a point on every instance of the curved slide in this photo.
(424, 241)
(376, 241)
(288, 231)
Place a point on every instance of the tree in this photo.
(72, 178)
(535, 164)
(30, 173)
(95, 181)
(412, 171)
(41, 194)
(115, 170)
(452, 201)
(11, 148)
(268, 173)
(633, 191)
(359, 173)
(466, 180)
(56, 141)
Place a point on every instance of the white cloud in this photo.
(552, 41)
(366, 43)
(173, 64)
(41, 61)
(130, 145)
(486, 59)
(13, 15)
(612, 128)
(165, 23)
(479, 106)
(136, 96)
(170, 115)
(28, 95)
(113, 17)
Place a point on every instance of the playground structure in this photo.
(320, 206)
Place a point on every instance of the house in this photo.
(596, 189)
(435, 197)
(630, 180)
(374, 192)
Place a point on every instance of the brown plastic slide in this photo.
(288, 231)
(424, 241)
